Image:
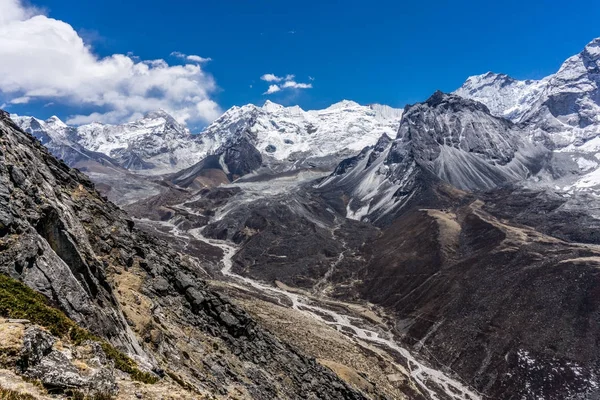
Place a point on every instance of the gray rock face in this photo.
(55, 370)
(463, 144)
(48, 247)
(234, 159)
(36, 345)
(448, 139)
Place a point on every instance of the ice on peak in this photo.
(56, 122)
(343, 104)
(386, 112)
(475, 82)
(269, 106)
(274, 108)
(593, 49)
(160, 113)
(503, 95)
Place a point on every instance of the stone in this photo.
(37, 343)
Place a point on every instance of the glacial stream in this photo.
(434, 383)
(426, 378)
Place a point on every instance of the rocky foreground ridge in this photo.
(134, 293)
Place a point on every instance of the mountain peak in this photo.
(343, 104)
(270, 106)
(160, 113)
(475, 82)
(56, 122)
(592, 49)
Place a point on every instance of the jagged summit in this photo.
(592, 50)
(453, 102)
(445, 139)
(270, 106)
(160, 113)
(56, 122)
(519, 99)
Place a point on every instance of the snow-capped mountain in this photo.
(61, 140)
(50, 130)
(447, 139)
(274, 139)
(158, 144)
(155, 143)
(563, 109)
(290, 133)
(504, 96)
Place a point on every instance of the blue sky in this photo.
(389, 52)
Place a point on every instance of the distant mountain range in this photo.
(157, 144)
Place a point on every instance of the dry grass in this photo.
(21, 302)
(7, 394)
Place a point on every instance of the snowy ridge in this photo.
(157, 144)
(287, 133)
(563, 110)
(53, 129)
(504, 96)
(447, 138)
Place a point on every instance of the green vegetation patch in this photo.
(18, 301)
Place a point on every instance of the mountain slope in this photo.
(446, 139)
(290, 133)
(58, 236)
(563, 108)
(157, 144)
(468, 287)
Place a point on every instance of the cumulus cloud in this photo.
(288, 83)
(296, 85)
(199, 59)
(272, 89)
(46, 59)
(191, 57)
(271, 78)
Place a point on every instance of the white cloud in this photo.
(191, 57)
(271, 78)
(198, 59)
(296, 85)
(20, 100)
(46, 59)
(272, 89)
(288, 83)
(13, 10)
